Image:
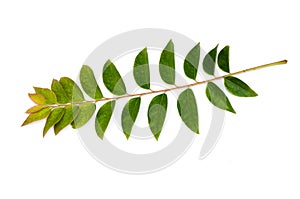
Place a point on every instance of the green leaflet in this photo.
(103, 117)
(54, 117)
(86, 111)
(191, 62)
(188, 111)
(89, 83)
(59, 91)
(141, 71)
(237, 87)
(37, 98)
(47, 93)
(73, 92)
(157, 113)
(217, 97)
(35, 109)
(37, 116)
(209, 61)
(70, 114)
(167, 64)
(129, 114)
(223, 59)
(112, 79)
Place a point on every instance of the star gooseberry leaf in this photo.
(191, 62)
(167, 64)
(59, 91)
(209, 61)
(112, 79)
(86, 111)
(237, 87)
(48, 94)
(35, 109)
(188, 111)
(157, 113)
(141, 70)
(70, 114)
(223, 59)
(217, 97)
(37, 98)
(89, 83)
(103, 117)
(42, 114)
(129, 114)
(72, 90)
(54, 117)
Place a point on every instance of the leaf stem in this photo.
(177, 87)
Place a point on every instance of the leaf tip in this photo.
(156, 136)
(23, 124)
(232, 110)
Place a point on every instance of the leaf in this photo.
(72, 90)
(112, 79)
(54, 117)
(188, 111)
(217, 97)
(37, 98)
(141, 71)
(223, 59)
(209, 61)
(103, 117)
(167, 64)
(59, 91)
(37, 116)
(157, 113)
(35, 109)
(47, 93)
(129, 114)
(89, 83)
(191, 62)
(70, 114)
(86, 111)
(237, 87)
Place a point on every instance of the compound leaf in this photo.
(70, 114)
(89, 83)
(237, 87)
(191, 62)
(141, 70)
(223, 59)
(167, 64)
(157, 113)
(42, 114)
(209, 61)
(129, 114)
(86, 111)
(72, 90)
(217, 97)
(103, 117)
(54, 117)
(188, 111)
(112, 79)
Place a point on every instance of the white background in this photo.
(258, 155)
